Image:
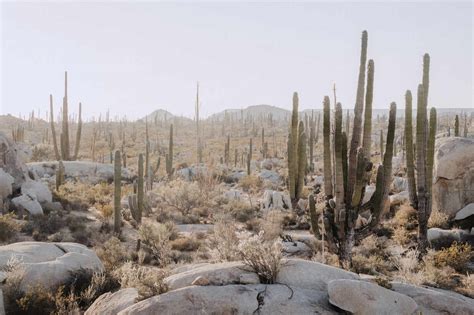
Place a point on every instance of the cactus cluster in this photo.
(352, 170)
(65, 153)
(297, 159)
(420, 188)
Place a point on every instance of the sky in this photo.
(135, 57)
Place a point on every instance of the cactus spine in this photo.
(420, 190)
(117, 191)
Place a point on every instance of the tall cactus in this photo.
(60, 174)
(53, 129)
(249, 157)
(456, 126)
(420, 189)
(302, 160)
(169, 156)
(367, 137)
(117, 192)
(293, 148)
(140, 190)
(342, 209)
(78, 133)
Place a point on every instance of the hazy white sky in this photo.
(136, 57)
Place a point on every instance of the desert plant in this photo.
(60, 175)
(169, 155)
(296, 153)
(352, 173)
(456, 126)
(8, 227)
(117, 192)
(420, 190)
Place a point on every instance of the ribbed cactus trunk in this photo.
(328, 188)
(367, 137)
(117, 192)
(410, 150)
(169, 157)
(65, 125)
(53, 129)
(293, 149)
(338, 150)
(358, 110)
(311, 142)
(60, 175)
(313, 216)
(249, 157)
(456, 126)
(78, 133)
(140, 190)
(302, 159)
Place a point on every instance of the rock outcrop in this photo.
(453, 186)
(112, 303)
(49, 264)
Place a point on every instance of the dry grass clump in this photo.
(468, 286)
(185, 244)
(409, 268)
(42, 226)
(147, 280)
(8, 227)
(250, 183)
(242, 211)
(438, 220)
(370, 257)
(262, 256)
(406, 217)
(456, 256)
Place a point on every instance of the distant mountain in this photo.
(255, 111)
(159, 114)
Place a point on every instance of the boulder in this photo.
(362, 297)
(233, 194)
(189, 173)
(465, 217)
(296, 249)
(11, 161)
(275, 200)
(310, 275)
(438, 237)
(369, 191)
(216, 274)
(111, 303)
(270, 176)
(28, 203)
(235, 299)
(453, 186)
(49, 264)
(436, 301)
(85, 171)
(37, 189)
(399, 184)
(399, 199)
(6, 182)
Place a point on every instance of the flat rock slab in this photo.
(234, 299)
(435, 301)
(362, 297)
(216, 274)
(111, 303)
(310, 275)
(49, 264)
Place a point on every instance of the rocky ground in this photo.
(215, 240)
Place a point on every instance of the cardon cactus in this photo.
(297, 158)
(420, 188)
(169, 155)
(345, 191)
(117, 192)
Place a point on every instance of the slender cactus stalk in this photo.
(302, 159)
(140, 189)
(328, 188)
(53, 130)
(78, 133)
(409, 150)
(367, 137)
(117, 192)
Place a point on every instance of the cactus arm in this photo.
(301, 160)
(409, 150)
(367, 137)
(53, 130)
(78, 133)
(328, 189)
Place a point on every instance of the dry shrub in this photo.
(272, 225)
(41, 226)
(468, 285)
(403, 237)
(156, 239)
(112, 253)
(262, 256)
(8, 227)
(408, 267)
(242, 211)
(438, 220)
(147, 280)
(370, 257)
(456, 256)
(182, 196)
(250, 183)
(222, 243)
(186, 244)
